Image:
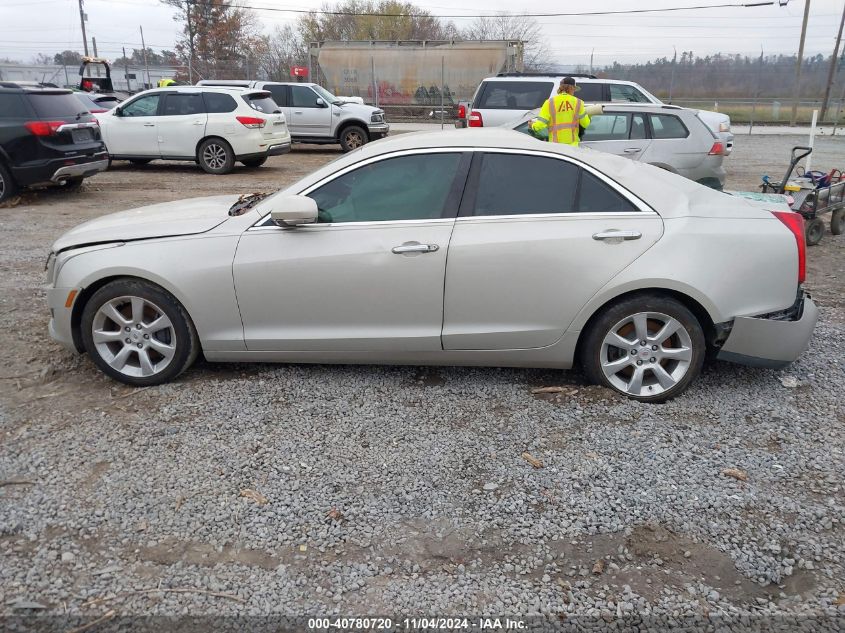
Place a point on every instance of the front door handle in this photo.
(149, 124)
(632, 150)
(199, 122)
(414, 247)
(615, 234)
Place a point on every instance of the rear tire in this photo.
(254, 162)
(8, 187)
(215, 156)
(353, 137)
(814, 231)
(138, 333)
(837, 222)
(613, 353)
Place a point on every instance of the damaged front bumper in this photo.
(771, 340)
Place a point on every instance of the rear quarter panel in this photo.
(732, 267)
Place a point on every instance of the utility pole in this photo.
(190, 42)
(125, 69)
(672, 80)
(831, 73)
(794, 116)
(591, 60)
(97, 67)
(82, 22)
(146, 65)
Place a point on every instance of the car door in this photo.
(537, 236)
(307, 116)
(181, 124)
(671, 144)
(368, 276)
(133, 131)
(621, 133)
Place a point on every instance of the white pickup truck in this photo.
(314, 115)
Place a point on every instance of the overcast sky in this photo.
(29, 27)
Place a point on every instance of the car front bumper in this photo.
(771, 340)
(60, 316)
(378, 130)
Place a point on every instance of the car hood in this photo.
(183, 217)
(357, 109)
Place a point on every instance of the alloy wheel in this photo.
(2, 186)
(646, 354)
(134, 336)
(354, 140)
(214, 156)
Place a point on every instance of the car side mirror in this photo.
(292, 211)
(118, 111)
(320, 103)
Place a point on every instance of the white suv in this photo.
(211, 126)
(508, 96)
(317, 116)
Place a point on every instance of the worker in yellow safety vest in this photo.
(167, 81)
(563, 115)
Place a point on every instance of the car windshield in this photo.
(325, 95)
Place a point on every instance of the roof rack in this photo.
(518, 74)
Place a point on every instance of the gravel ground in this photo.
(311, 490)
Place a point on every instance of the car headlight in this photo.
(50, 267)
(377, 117)
(725, 126)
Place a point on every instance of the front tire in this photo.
(353, 137)
(138, 333)
(215, 156)
(648, 348)
(254, 162)
(8, 187)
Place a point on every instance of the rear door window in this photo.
(591, 93)
(279, 94)
(261, 102)
(516, 184)
(48, 106)
(216, 102)
(638, 129)
(513, 95)
(595, 196)
(176, 104)
(621, 92)
(608, 127)
(667, 126)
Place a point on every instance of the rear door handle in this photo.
(414, 247)
(632, 150)
(615, 234)
(149, 124)
(199, 122)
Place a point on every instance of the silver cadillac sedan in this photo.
(471, 247)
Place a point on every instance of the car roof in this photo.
(557, 77)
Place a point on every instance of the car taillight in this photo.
(795, 223)
(43, 128)
(475, 119)
(718, 149)
(462, 111)
(252, 122)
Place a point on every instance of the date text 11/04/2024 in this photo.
(416, 624)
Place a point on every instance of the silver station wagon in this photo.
(669, 137)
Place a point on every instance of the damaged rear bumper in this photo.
(771, 340)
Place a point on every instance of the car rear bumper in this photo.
(80, 169)
(57, 170)
(274, 150)
(771, 340)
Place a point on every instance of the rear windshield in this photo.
(262, 102)
(513, 95)
(55, 105)
(591, 93)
